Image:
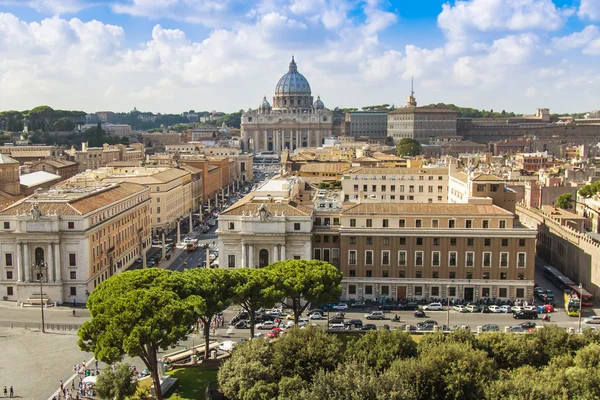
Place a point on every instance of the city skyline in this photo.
(177, 55)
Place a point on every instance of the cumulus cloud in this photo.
(589, 9)
(577, 39)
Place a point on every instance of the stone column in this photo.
(178, 231)
(283, 252)
(243, 255)
(26, 261)
(57, 262)
(308, 138)
(266, 141)
(191, 224)
(275, 253)
(164, 245)
(250, 256)
(19, 261)
(50, 262)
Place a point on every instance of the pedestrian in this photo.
(73, 384)
(61, 385)
(96, 364)
(12, 391)
(5, 391)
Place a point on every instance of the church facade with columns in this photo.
(293, 121)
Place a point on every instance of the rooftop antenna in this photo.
(412, 81)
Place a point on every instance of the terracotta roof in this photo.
(461, 176)
(58, 163)
(129, 163)
(449, 209)
(486, 177)
(74, 205)
(334, 167)
(191, 169)
(289, 210)
(398, 171)
(31, 153)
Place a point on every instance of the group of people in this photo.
(7, 391)
(78, 390)
(218, 321)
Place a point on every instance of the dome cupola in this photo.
(292, 92)
(265, 106)
(319, 104)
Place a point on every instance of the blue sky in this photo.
(176, 55)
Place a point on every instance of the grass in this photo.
(191, 383)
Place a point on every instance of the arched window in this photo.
(39, 255)
(263, 258)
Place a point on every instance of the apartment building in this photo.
(434, 250)
(63, 168)
(533, 162)
(463, 188)
(74, 237)
(97, 157)
(414, 185)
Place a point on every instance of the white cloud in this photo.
(57, 7)
(577, 39)
(592, 48)
(461, 21)
(589, 9)
(531, 92)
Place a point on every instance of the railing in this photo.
(38, 326)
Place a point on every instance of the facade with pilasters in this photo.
(293, 121)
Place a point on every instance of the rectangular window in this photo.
(502, 224)
(520, 260)
(401, 274)
(336, 221)
(385, 257)
(9, 275)
(73, 291)
(352, 257)
(503, 260)
(326, 255)
(326, 239)
(487, 259)
(402, 258)
(521, 242)
(435, 291)
(487, 242)
(436, 241)
(231, 226)
(418, 290)
(352, 223)
(520, 293)
(503, 275)
(401, 223)
(520, 276)
(385, 223)
(71, 225)
(73, 275)
(452, 275)
(452, 259)
(486, 275)
(317, 254)
(369, 240)
(469, 223)
(435, 223)
(451, 223)
(317, 238)
(369, 257)
(385, 274)
(485, 224)
(469, 275)
(72, 259)
(470, 242)
(351, 289)
(452, 241)
(386, 241)
(504, 242)
(503, 292)
(402, 241)
(435, 258)
(368, 290)
(470, 259)
(352, 273)
(418, 223)
(419, 258)
(7, 225)
(419, 241)
(8, 259)
(9, 291)
(352, 240)
(369, 223)
(335, 256)
(452, 291)
(231, 261)
(296, 226)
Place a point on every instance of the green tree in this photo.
(43, 115)
(215, 287)
(379, 349)
(254, 288)
(249, 373)
(564, 201)
(137, 313)
(117, 384)
(408, 147)
(305, 282)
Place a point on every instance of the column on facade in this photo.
(26, 261)
(283, 252)
(283, 140)
(243, 255)
(191, 224)
(266, 141)
(298, 143)
(250, 256)
(275, 253)
(164, 248)
(57, 263)
(178, 231)
(308, 137)
(50, 263)
(19, 261)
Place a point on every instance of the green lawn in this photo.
(191, 383)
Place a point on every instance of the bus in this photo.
(571, 304)
(557, 277)
(191, 245)
(587, 299)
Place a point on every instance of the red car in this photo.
(273, 333)
(546, 308)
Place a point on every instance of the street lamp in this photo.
(448, 307)
(580, 304)
(40, 277)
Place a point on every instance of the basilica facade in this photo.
(293, 121)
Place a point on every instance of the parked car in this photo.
(460, 309)
(526, 314)
(388, 306)
(485, 309)
(528, 325)
(139, 260)
(516, 308)
(433, 307)
(505, 309)
(546, 308)
(375, 315)
(490, 328)
(336, 327)
(369, 327)
(338, 319)
(472, 308)
(495, 309)
(314, 310)
(358, 304)
(408, 306)
(549, 294)
(273, 333)
(516, 329)
(353, 323)
(420, 314)
(594, 319)
(267, 325)
(460, 326)
(242, 324)
(426, 328)
(315, 315)
(341, 307)
(427, 322)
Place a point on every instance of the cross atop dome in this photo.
(293, 67)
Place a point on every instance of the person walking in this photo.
(5, 391)
(12, 391)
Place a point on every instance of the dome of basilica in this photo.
(319, 104)
(293, 82)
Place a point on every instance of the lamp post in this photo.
(448, 307)
(40, 277)
(580, 304)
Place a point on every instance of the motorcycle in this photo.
(396, 318)
(546, 318)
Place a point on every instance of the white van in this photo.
(594, 319)
(336, 327)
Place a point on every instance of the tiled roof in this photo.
(274, 208)
(98, 200)
(486, 177)
(334, 167)
(398, 171)
(461, 176)
(58, 163)
(30, 153)
(191, 169)
(4, 159)
(449, 209)
(425, 109)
